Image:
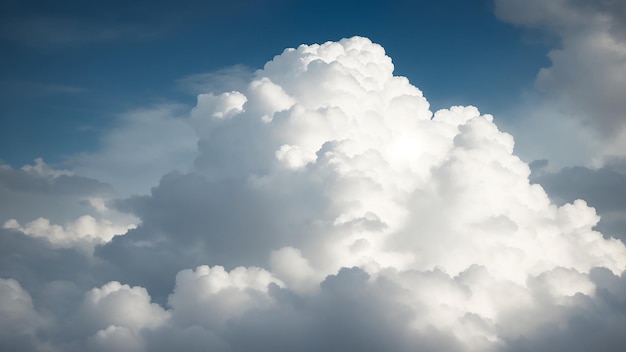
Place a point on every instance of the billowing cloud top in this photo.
(334, 211)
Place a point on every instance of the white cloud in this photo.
(294, 269)
(53, 196)
(85, 232)
(405, 192)
(210, 296)
(115, 338)
(43, 170)
(123, 306)
(18, 319)
(211, 107)
(326, 161)
(42, 183)
(587, 63)
(18, 314)
(369, 136)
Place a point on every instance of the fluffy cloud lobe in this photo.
(384, 227)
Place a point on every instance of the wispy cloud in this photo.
(223, 80)
(40, 88)
(53, 31)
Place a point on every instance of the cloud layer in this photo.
(330, 209)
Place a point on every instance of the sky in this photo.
(287, 175)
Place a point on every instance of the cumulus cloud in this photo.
(39, 188)
(210, 296)
(120, 305)
(18, 318)
(597, 186)
(84, 232)
(582, 102)
(330, 209)
(83, 202)
(587, 64)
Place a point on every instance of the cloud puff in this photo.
(586, 65)
(330, 209)
(18, 318)
(366, 139)
(210, 296)
(120, 305)
(596, 186)
(85, 232)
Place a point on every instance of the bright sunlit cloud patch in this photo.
(332, 210)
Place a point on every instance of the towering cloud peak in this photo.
(327, 161)
(403, 188)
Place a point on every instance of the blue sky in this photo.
(69, 68)
(313, 176)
